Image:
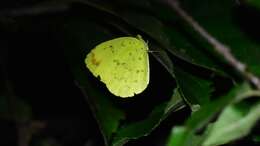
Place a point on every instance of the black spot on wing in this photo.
(115, 60)
(112, 49)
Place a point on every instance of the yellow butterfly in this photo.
(122, 64)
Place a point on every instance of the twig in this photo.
(219, 47)
(34, 10)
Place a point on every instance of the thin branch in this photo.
(219, 47)
(34, 10)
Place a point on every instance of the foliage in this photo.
(186, 72)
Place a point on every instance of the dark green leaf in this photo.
(256, 138)
(87, 35)
(195, 89)
(224, 26)
(255, 3)
(138, 129)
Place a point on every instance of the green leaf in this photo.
(224, 26)
(201, 118)
(255, 3)
(106, 112)
(256, 138)
(180, 136)
(162, 57)
(235, 122)
(195, 89)
(191, 51)
(144, 127)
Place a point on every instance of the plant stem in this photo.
(219, 47)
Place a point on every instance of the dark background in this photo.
(34, 67)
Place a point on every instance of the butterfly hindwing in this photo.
(122, 64)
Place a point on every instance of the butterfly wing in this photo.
(122, 64)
